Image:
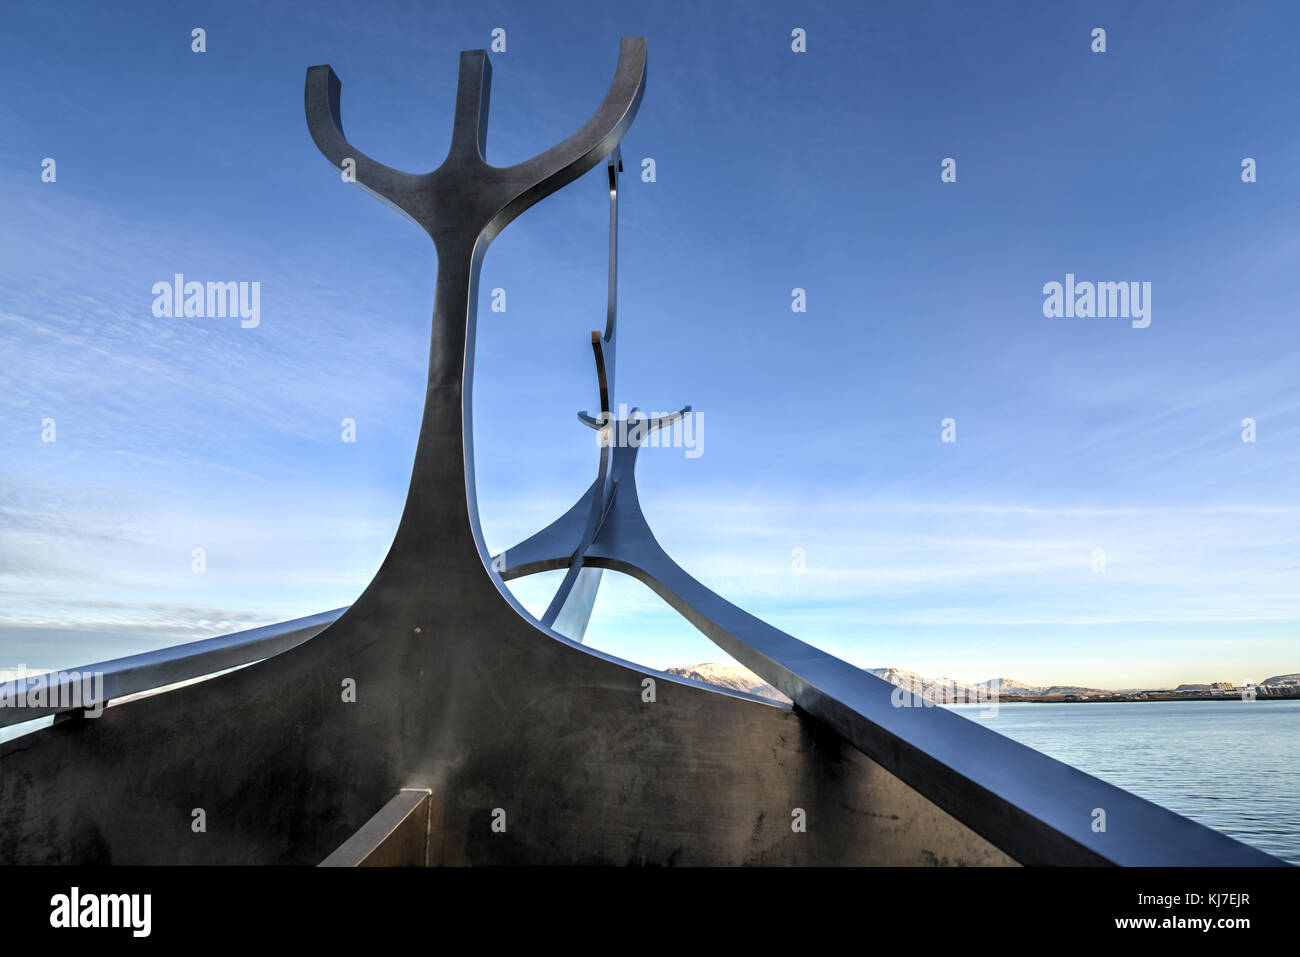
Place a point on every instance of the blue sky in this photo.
(821, 430)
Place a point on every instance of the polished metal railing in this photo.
(66, 689)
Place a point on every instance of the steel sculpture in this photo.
(468, 711)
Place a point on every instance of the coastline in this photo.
(1144, 696)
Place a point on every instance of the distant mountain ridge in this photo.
(1291, 679)
(951, 690)
(737, 678)
(733, 677)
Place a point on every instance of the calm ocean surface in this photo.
(1232, 765)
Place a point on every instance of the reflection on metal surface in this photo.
(168, 666)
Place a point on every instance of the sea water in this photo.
(1232, 765)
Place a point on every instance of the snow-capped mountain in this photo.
(1282, 680)
(729, 676)
(947, 690)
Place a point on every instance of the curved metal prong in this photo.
(324, 121)
(637, 422)
(651, 423)
(615, 167)
(663, 421)
(593, 141)
(602, 383)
